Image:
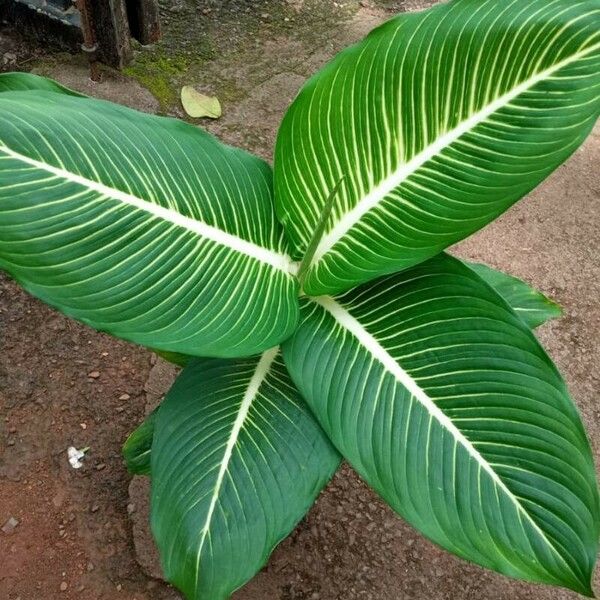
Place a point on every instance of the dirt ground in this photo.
(62, 384)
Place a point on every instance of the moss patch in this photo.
(158, 72)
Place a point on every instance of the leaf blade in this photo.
(444, 402)
(232, 474)
(435, 128)
(531, 305)
(138, 446)
(140, 226)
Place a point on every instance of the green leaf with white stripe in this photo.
(237, 460)
(445, 403)
(438, 121)
(531, 305)
(141, 226)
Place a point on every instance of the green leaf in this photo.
(199, 105)
(237, 460)
(445, 403)
(141, 226)
(138, 446)
(532, 306)
(439, 121)
(11, 82)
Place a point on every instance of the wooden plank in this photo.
(144, 20)
(109, 18)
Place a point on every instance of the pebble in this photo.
(63, 586)
(10, 525)
(95, 508)
(8, 58)
(124, 397)
(83, 425)
(100, 467)
(94, 374)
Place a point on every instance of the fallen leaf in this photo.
(198, 105)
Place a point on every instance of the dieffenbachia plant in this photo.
(314, 308)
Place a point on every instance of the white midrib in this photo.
(279, 261)
(375, 349)
(392, 181)
(262, 370)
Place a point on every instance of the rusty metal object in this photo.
(90, 45)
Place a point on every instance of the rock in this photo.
(63, 586)
(124, 397)
(10, 525)
(100, 467)
(160, 380)
(9, 58)
(145, 548)
(94, 374)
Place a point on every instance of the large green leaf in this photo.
(237, 460)
(438, 121)
(141, 226)
(444, 401)
(532, 306)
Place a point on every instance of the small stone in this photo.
(12, 430)
(130, 508)
(105, 354)
(94, 374)
(83, 425)
(119, 587)
(124, 397)
(8, 58)
(11, 442)
(95, 508)
(100, 467)
(120, 409)
(63, 586)
(10, 525)
(90, 566)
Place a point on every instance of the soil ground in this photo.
(62, 384)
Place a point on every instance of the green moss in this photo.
(225, 46)
(159, 74)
